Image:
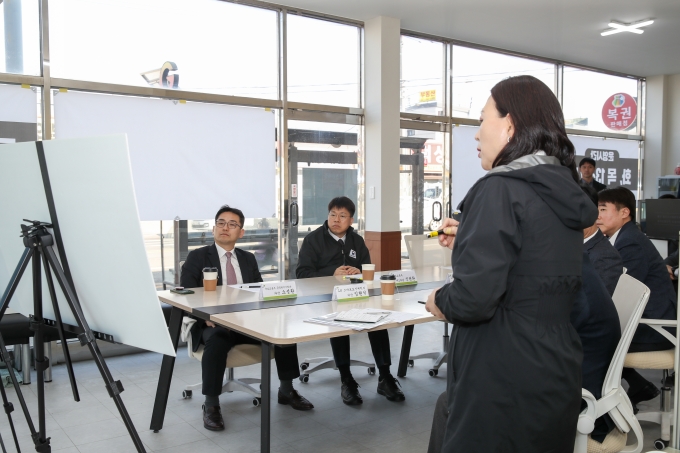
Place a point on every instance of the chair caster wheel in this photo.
(304, 366)
(411, 363)
(186, 394)
(433, 372)
(257, 401)
(660, 444)
(371, 370)
(304, 378)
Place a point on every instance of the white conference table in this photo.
(282, 322)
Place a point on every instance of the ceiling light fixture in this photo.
(618, 27)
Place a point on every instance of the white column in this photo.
(382, 74)
(654, 160)
(382, 78)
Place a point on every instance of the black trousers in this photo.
(635, 380)
(380, 345)
(219, 341)
(441, 415)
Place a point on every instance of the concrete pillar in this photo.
(382, 74)
(654, 159)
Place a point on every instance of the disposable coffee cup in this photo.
(210, 278)
(368, 271)
(387, 286)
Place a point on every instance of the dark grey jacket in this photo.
(605, 259)
(644, 263)
(514, 369)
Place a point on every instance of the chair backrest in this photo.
(424, 251)
(630, 298)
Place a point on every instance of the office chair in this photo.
(239, 356)
(424, 251)
(630, 298)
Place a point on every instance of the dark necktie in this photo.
(231, 273)
(342, 249)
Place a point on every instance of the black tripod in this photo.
(39, 244)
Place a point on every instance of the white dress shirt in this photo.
(591, 236)
(337, 238)
(223, 264)
(612, 239)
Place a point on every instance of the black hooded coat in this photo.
(514, 366)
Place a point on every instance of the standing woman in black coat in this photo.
(514, 367)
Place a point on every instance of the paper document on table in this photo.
(392, 316)
(359, 315)
(252, 287)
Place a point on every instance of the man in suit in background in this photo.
(643, 262)
(234, 266)
(603, 256)
(587, 168)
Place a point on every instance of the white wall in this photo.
(662, 144)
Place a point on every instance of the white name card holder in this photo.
(345, 293)
(405, 278)
(280, 290)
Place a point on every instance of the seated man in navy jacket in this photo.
(234, 266)
(335, 249)
(643, 262)
(603, 256)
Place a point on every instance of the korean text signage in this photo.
(619, 112)
(612, 170)
(428, 96)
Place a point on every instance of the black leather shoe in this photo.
(646, 393)
(388, 386)
(350, 392)
(212, 418)
(295, 400)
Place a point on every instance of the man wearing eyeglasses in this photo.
(335, 249)
(235, 266)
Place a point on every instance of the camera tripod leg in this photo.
(37, 324)
(60, 329)
(4, 355)
(14, 280)
(87, 338)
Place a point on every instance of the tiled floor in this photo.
(94, 424)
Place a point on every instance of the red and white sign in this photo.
(619, 111)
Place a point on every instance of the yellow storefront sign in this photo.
(428, 96)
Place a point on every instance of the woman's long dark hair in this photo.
(538, 120)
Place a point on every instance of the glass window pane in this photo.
(475, 72)
(217, 47)
(426, 194)
(20, 37)
(328, 166)
(600, 102)
(323, 62)
(422, 66)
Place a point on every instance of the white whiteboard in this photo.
(18, 104)
(95, 204)
(187, 159)
(466, 167)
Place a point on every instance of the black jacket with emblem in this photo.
(321, 254)
(514, 367)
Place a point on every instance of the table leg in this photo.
(405, 351)
(265, 390)
(165, 378)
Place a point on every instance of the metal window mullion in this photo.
(45, 70)
(284, 219)
(559, 83)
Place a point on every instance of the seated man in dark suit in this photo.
(335, 249)
(587, 168)
(603, 256)
(234, 266)
(596, 321)
(643, 262)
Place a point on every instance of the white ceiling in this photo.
(567, 30)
